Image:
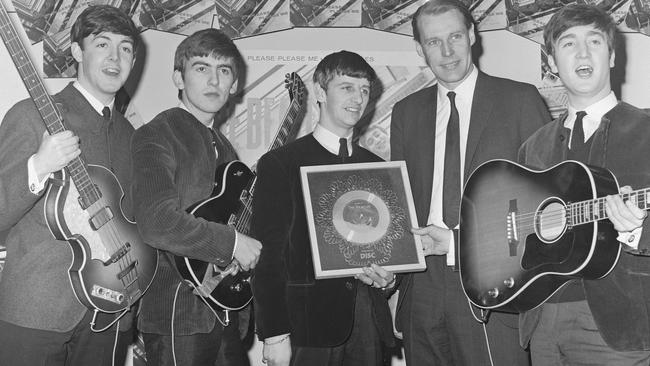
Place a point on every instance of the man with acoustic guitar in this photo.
(175, 157)
(603, 321)
(41, 321)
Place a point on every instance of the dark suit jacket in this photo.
(35, 288)
(174, 163)
(288, 298)
(504, 114)
(619, 302)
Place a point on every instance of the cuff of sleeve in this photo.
(35, 186)
(631, 239)
(234, 247)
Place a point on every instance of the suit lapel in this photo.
(427, 137)
(482, 105)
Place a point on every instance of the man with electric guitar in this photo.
(602, 321)
(175, 158)
(42, 320)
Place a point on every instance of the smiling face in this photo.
(446, 45)
(105, 61)
(583, 60)
(206, 84)
(342, 103)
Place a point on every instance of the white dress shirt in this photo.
(330, 141)
(464, 98)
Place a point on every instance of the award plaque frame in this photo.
(359, 214)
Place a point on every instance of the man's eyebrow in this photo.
(565, 36)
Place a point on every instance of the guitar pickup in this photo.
(101, 218)
(119, 254)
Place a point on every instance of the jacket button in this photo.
(349, 285)
(561, 137)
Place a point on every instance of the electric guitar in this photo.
(524, 233)
(231, 203)
(111, 267)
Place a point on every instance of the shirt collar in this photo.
(595, 112)
(329, 140)
(182, 106)
(463, 91)
(94, 102)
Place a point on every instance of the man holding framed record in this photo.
(303, 320)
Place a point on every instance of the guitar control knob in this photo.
(493, 293)
(510, 282)
(236, 287)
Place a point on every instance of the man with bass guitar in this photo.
(597, 321)
(41, 321)
(175, 157)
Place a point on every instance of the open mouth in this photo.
(584, 70)
(111, 71)
(450, 65)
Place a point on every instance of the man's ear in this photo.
(418, 48)
(321, 94)
(472, 35)
(233, 88)
(551, 64)
(77, 52)
(177, 78)
(612, 58)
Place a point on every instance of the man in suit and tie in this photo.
(466, 119)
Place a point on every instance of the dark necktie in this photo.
(578, 133)
(343, 149)
(451, 183)
(106, 112)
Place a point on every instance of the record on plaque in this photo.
(360, 214)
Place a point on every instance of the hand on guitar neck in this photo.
(435, 239)
(55, 152)
(625, 215)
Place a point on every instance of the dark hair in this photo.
(435, 7)
(575, 15)
(96, 19)
(343, 63)
(208, 42)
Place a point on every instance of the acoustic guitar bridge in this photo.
(511, 228)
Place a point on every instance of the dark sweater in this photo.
(288, 299)
(35, 289)
(174, 166)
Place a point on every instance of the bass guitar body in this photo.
(525, 233)
(112, 267)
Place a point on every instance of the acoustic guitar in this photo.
(524, 233)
